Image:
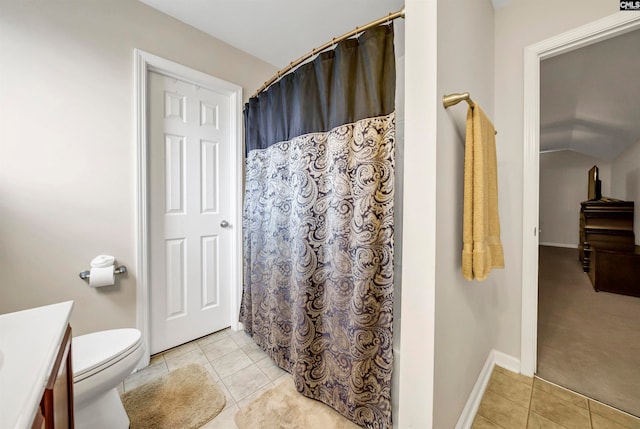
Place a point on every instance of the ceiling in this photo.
(278, 31)
(589, 98)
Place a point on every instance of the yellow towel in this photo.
(482, 249)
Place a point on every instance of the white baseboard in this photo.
(473, 403)
(568, 246)
(237, 326)
(506, 361)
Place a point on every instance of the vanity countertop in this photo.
(29, 342)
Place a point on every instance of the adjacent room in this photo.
(589, 284)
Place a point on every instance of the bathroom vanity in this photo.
(36, 378)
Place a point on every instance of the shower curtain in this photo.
(318, 226)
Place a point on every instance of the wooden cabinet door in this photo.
(57, 401)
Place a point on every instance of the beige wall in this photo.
(67, 148)
(466, 321)
(625, 181)
(563, 186)
(517, 25)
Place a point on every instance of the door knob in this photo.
(224, 224)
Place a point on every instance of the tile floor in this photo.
(239, 367)
(513, 401)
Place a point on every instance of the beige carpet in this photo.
(282, 407)
(588, 341)
(185, 398)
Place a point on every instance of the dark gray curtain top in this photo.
(338, 87)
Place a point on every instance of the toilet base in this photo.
(102, 412)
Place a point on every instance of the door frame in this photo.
(602, 29)
(145, 62)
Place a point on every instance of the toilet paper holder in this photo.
(84, 275)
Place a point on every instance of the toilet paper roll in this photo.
(102, 276)
(102, 261)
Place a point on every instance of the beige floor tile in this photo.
(219, 348)
(254, 352)
(614, 415)
(482, 423)
(149, 373)
(214, 374)
(284, 377)
(180, 350)
(253, 396)
(241, 338)
(194, 356)
(224, 420)
(510, 387)
(155, 359)
(502, 411)
(216, 336)
(270, 369)
(231, 363)
(536, 421)
(519, 377)
(231, 403)
(559, 411)
(560, 392)
(245, 382)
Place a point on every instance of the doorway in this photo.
(588, 341)
(228, 224)
(600, 30)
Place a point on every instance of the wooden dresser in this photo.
(615, 271)
(605, 224)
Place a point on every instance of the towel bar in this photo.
(453, 99)
(84, 275)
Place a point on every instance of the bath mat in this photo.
(282, 407)
(186, 398)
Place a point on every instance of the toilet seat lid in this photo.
(99, 348)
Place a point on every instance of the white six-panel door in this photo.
(189, 230)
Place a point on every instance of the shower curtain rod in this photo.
(294, 64)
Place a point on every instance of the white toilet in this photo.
(101, 361)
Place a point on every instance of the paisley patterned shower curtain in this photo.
(318, 226)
